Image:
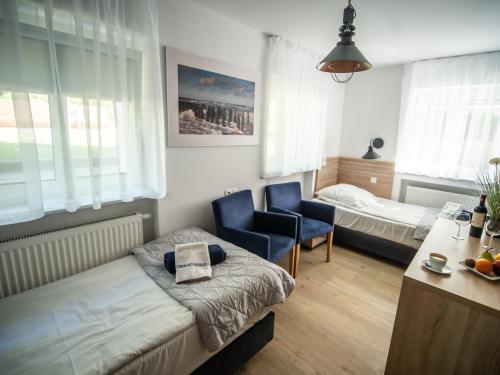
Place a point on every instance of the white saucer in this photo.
(445, 271)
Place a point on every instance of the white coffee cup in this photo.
(437, 261)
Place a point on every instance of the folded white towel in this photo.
(450, 209)
(192, 262)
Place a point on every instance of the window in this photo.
(81, 114)
(10, 159)
(450, 117)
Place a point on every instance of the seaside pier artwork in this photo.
(211, 103)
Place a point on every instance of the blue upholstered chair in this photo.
(268, 235)
(314, 219)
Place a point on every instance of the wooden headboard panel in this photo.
(357, 172)
(327, 175)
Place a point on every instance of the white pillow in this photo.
(349, 195)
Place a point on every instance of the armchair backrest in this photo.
(286, 196)
(235, 210)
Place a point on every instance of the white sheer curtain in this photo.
(450, 116)
(295, 110)
(81, 108)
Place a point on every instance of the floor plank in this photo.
(337, 321)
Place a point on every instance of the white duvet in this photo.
(391, 220)
(94, 322)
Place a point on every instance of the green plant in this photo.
(490, 182)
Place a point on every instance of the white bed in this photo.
(384, 227)
(110, 319)
(387, 219)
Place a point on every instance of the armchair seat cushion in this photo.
(279, 246)
(313, 228)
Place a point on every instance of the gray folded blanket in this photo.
(426, 222)
(240, 287)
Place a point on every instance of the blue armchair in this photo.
(314, 219)
(268, 235)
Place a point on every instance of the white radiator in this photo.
(32, 261)
(438, 198)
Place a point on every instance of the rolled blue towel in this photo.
(217, 255)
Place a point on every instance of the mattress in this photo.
(110, 319)
(387, 219)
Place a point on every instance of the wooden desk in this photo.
(446, 324)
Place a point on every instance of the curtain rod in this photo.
(271, 35)
(454, 56)
(307, 49)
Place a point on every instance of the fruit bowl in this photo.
(491, 276)
(489, 266)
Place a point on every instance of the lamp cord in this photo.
(350, 6)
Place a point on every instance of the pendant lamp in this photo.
(345, 57)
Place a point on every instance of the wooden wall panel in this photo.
(358, 172)
(327, 175)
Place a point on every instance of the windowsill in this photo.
(89, 206)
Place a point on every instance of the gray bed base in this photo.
(375, 245)
(232, 357)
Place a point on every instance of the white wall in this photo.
(197, 175)
(334, 119)
(371, 109)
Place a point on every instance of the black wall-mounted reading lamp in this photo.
(371, 154)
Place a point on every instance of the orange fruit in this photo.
(483, 266)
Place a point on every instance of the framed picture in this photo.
(210, 103)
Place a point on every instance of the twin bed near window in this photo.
(116, 319)
(386, 219)
(376, 225)
(366, 221)
(382, 226)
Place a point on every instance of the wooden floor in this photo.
(338, 320)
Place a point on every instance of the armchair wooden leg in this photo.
(329, 247)
(297, 259)
(291, 262)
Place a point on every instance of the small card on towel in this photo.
(192, 262)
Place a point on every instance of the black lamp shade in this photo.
(344, 58)
(370, 154)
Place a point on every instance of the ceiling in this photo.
(388, 31)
